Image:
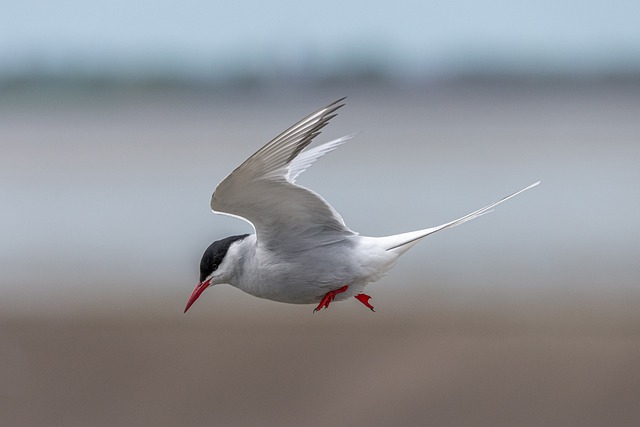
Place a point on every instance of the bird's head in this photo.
(215, 266)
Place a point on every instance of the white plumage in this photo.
(302, 252)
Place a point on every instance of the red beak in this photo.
(200, 287)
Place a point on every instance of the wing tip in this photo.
(334, 106)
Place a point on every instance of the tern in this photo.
(302, 252)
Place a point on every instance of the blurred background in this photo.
(117, 120)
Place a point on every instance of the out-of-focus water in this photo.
(527, 316)
(101, 197)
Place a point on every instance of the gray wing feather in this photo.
(262, 189)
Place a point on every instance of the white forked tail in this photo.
(403, 242)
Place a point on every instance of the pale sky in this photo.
(204, 35)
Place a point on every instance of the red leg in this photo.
(363, 298)
(329, 297)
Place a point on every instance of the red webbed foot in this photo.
(329, 297)
(364, 299)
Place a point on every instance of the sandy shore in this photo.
(269, 365)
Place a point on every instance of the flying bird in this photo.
(301, 252)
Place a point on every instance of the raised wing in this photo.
(262, 190)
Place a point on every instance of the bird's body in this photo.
(304, 277)
(302, 251)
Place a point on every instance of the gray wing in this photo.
(262, 190)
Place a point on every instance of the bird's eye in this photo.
(215, 267)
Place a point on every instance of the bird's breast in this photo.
(299, 278)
